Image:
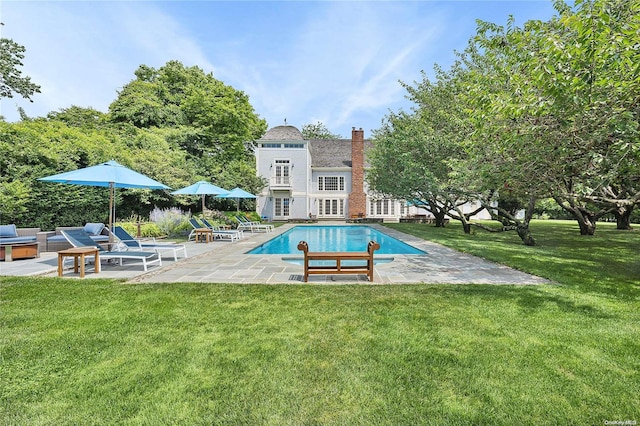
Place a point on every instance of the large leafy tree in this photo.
(76, 116)
(412, 152)
(37, 148)
(555, 108)
(589, 68)
(176, 125)
(11, 79)
(218, 120)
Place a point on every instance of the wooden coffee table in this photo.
(78, 254)
(11, 251)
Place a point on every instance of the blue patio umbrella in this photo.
(201, 188)
(110, 174)
(237, 193)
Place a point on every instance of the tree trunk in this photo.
(525, 235)
(623, 217)
(466, 226)
(523, 227)
(439, 217)
(587, 226)
(586, 220)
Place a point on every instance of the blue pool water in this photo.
(334, 238)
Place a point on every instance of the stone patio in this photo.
(226, 262)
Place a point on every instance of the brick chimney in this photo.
(357, 197)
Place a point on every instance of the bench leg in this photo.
(81, 265)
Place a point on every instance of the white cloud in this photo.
(83, 55)
(331, 61)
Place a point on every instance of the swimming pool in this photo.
(334, 238)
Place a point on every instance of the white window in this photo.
(330, 183)
(281, 207)
(383, 207)
(281, 172)
(331, 207)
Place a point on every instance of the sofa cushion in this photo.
(8, 231)
(60, 238)
(16, 240)
(93, 228)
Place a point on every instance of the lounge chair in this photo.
(244, 223)
(236, 232)
(128, 242)
(79, 238)
(258, 223)
(197, 227)
(222, 235)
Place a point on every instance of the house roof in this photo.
(330, 153)
(333, 152)
(282, 133)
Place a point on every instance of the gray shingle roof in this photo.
(282, 133)
(333, 152)
(324, 152)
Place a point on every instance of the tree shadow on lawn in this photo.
(533, 298)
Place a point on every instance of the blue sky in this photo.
(338, 62)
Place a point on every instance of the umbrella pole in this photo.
(111, 191)
(203, 204)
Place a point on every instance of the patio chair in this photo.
(237, 232)
(128, 242)
(258, 223)
(222, 235)
(79, 238)
(244, 223)
(196, 227)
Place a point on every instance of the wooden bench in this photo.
(337, 268)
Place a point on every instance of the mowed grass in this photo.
(105, 352)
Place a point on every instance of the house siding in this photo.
(294, 193)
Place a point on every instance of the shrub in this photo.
(171, 220)
(219, 218)
(147, 229)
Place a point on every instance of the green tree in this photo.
(76, 116)
(11, 78)
(318, 131)
(412, 152)
(556, 102)
(218, 120)
(38, 148)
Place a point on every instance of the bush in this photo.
(147, 229)
(170, 221)
(219, 218)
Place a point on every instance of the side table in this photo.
(79, 254)
(204, 234)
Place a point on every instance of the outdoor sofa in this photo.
(24, 240)
(55, 241)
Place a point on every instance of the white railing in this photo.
(280, 181)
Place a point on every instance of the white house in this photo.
(319, 177)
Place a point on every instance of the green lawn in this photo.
(103, 352)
